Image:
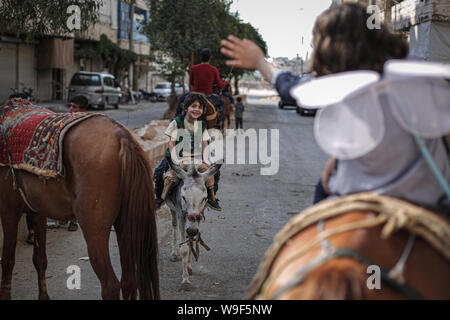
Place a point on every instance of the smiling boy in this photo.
(184, 132)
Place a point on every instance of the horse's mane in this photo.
(338, 279)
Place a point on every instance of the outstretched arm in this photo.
(246, 54)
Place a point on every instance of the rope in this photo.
(197, 241)
(398, 214)
(368, 223)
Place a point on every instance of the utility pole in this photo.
(130, 42)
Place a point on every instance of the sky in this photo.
(283, 23)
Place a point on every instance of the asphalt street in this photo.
(255, 208)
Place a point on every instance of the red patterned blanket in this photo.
(31, 137)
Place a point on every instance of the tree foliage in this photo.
(178, 28)
(44, 17)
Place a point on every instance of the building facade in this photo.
(424, 23)
(39, 65)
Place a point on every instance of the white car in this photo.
(163, 89)
(100, 89)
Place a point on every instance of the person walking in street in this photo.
(239, 114)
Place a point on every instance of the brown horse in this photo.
(107, 182)
(331, 260)
(228, 108)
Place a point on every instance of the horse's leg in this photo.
(10, 221)
(39, 253)
(175, 256)
(97, 240)
(186, 283)
(95, 217)
(127, 283)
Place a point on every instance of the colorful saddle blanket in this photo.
(31, 137)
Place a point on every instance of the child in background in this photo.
(239, 113)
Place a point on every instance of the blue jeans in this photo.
(239, 123)
(158, 177)
(319, 193)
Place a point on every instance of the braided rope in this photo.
(395, 214)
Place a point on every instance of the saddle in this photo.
(393, 214)
(31, 137)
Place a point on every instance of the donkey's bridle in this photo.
(196, 239)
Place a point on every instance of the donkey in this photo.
(187, 201)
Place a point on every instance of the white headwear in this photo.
(350, 121)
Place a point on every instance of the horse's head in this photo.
(193, 195)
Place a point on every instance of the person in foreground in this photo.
(396, 166)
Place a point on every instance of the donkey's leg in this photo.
(9, 224)
(175, 256)
(184, 254)
(39, 253)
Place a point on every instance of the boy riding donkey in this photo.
(186, 132)
(202, 78)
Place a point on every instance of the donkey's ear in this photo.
(211, 171)
(178, 170)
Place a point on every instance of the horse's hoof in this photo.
(44, 297)
(174, 258)
(5, 296)
(187, 286)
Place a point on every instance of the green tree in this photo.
(181, 28)
(44, 17)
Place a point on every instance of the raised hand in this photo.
(245, 53)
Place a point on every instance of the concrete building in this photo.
(424, 23)
(47, 65)
(297, 66)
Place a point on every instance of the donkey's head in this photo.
(193, 195)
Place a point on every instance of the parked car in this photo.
(163, 89)
(291, 102)
(99, 88)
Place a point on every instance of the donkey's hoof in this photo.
(174, 258)
(189, 271)
(187, 286)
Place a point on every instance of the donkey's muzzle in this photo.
(191, 232)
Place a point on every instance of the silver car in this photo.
(163, 89)
(100, 89)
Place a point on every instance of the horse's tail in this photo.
(137, 218)
(338, 279)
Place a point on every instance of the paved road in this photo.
(255, 207)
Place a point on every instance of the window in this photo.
(80, 79)
(108, 81)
